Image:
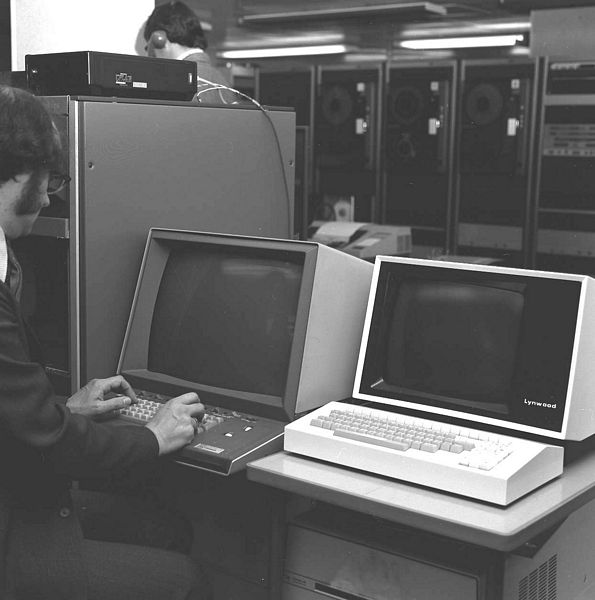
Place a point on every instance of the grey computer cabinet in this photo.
(134, 165)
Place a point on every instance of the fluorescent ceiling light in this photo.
(282, 39)
(284, 51)
(366, 56)
(483, 41)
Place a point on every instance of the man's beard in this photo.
(31, 198)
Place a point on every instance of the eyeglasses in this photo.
(57, 182)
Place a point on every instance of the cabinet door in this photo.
(495, 128)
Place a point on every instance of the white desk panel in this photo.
(490, 526)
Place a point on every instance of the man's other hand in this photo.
(97, 397)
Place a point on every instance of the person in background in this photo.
(173, 30)
(46, 444)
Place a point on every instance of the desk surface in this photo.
(499, 528)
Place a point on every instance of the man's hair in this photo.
(180, 23)
(29, 141)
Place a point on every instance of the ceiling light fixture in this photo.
(284, 51)
(483, 41)
(386, 10)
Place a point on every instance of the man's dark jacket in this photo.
(43, 446)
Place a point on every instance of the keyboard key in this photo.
(429, 447)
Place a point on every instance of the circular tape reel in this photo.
(406, 104)
(484, 104)
(337, 105)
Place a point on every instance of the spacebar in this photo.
(370, 439)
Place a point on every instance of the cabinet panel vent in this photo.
(541, 584)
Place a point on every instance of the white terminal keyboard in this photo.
(469, 462)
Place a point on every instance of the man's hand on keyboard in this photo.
(97, 397)
(175, 422)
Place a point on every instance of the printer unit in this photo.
(363, 240)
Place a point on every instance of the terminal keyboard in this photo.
(225, 440)
(148, 403)
(470, 462)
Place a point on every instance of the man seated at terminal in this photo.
(44, 444)
(173, 30)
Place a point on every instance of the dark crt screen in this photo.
(225, 317)
(454, 339)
